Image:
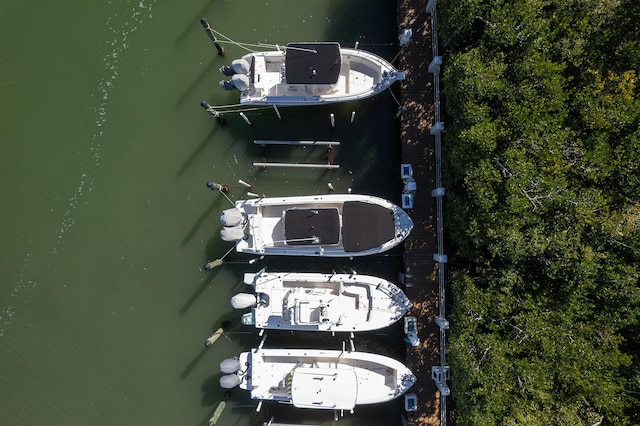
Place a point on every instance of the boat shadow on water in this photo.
(205, 216)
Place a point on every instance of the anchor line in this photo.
(394, 97)
(262, 45)
(229, 200)
(229, 251)
(230, 108)
(229, 40)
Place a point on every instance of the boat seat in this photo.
(344, 71)
(323, 314)
(277, 294)
(307, 314)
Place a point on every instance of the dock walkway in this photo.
(421, 271)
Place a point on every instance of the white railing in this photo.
(440, 373)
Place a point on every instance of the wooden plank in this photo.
(282, 142)
(299, 165)
(418, 150)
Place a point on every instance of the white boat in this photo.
(309, 74)
(316, 378)
(315, 225)
(320, 302)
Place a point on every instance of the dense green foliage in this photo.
(542, 162)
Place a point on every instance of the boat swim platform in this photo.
(418, 150)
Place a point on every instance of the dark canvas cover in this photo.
(366, 226)
(313, 63)
(304, 224)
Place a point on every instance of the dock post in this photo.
(213, 112)
(219, 409)
(437, 128)
(207, 28)
(216, 335)
(262, 342)
(244, 117)
(294, 142)
(440, 375)
(431, 5)
(212, 339)
(275, 108)
(222, 187)
(434, 66)
(297, 165)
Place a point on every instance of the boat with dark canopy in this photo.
(308, 74)
(317, 225)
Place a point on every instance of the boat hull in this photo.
(324, 302)
(362, 75)
(332, 225)
(323, 379)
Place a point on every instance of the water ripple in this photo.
(115, 43)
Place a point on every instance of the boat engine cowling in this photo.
(229, 381)
(243, 300)
(238, 81)
(230, 365)
(231, 217)
(238, 66)
(227, 85)
(232, 233)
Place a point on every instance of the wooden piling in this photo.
(298, 165)
(283, 142)
(212, 37)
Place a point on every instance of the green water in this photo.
(106, 221)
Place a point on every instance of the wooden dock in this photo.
(421, 271)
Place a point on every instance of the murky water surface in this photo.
(106, 221)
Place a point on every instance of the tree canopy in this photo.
(542, 167)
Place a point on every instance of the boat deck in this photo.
(422, 243)
(357, 75)
(273, 372)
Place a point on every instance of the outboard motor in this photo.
(243, 301)
(227, 85)
(231, 217)
(238, 81)
(239, 66)
(232, 233)
(227, 70)
(229, 381)
(230, 365)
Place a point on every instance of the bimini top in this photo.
(312, 63)
(366, 226)
(312, 226)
